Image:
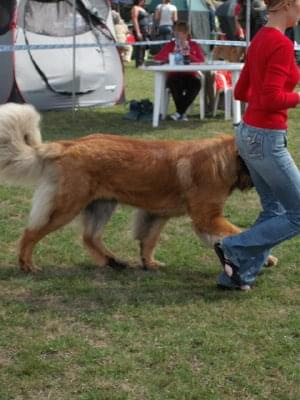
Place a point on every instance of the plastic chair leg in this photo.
(227, 106)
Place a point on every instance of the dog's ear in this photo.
(244, 181)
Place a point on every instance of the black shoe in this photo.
(230, 269)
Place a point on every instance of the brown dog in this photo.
(89, 176)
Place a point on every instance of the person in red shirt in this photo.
(184, 86)
(267, 83)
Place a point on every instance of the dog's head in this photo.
(243, 181)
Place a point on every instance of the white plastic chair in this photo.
(227, 90)
(201, 96)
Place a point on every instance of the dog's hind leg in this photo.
(56, 218)
(95, 217)
(147, 231)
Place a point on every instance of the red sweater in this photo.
(268, 79)
(196, 54)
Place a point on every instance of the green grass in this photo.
(75, 331)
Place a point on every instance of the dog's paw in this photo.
(154, 265)
(272, 261)
(116, 264)
(29, 268)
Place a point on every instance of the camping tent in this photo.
(62, 77)
(195, 12)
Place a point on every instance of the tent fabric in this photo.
(45, 77)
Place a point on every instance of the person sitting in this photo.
(166, 16)
(184, 86)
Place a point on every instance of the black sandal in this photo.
(229, 268)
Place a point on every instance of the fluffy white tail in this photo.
(19, 139)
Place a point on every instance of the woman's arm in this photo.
(174, 16)
(163, 54)
(157, 13)
(241, 90)
(196, 52)
(280, 65)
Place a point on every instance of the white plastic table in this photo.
(161, 72)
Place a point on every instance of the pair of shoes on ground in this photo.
(179, 117)
(229, 279)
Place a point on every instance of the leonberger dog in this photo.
(91, 175)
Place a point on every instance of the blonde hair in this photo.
(275, 5)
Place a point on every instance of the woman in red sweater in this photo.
(184, 86)
(267, 84)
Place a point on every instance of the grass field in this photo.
(74, 331)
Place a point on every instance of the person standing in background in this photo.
(267, 83)
(165, 16)
(140, 21)
(121, 30)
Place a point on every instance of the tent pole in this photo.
(248, 15)
(74, 60)
(190, 16)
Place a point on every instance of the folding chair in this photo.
(223, 85)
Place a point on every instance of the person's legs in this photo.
(176, 85)
(192, 88)
(139, 52)
(127, 53)
(278, 184)
(184, 90)
(271, 207)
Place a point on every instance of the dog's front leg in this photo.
(211, 228)
(215, 228)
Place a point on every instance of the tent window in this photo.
(53, 18)
(7, 8)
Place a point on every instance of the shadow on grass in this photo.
(86, 288)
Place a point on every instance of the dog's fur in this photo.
(89, 176)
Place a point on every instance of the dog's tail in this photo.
(20, 138)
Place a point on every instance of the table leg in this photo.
(236, 104)
(159, 96)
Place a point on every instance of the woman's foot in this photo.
(224, 282)
(229, 278)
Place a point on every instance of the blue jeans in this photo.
(277, 181)
(165, 32)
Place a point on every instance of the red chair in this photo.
(223, 84)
